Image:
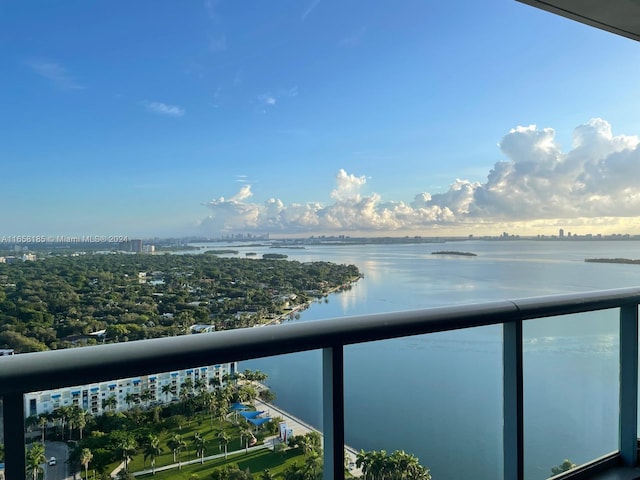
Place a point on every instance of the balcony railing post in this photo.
(14, 444)
(513, 434)
(333, 412)
(629, 384)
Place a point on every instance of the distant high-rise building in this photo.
(561, 233)
(136, 246)
(131, 246)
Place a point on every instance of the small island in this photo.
(274, 256)
(627, 261)
(453, 252)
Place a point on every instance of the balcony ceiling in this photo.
(616, 16)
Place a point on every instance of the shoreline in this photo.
(300, 427)
(303, 306)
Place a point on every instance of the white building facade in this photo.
(144, 390)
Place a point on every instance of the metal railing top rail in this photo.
(79, 366)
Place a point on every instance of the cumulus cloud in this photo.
(535, 182)
(164, 109)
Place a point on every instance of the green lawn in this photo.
(137, 462)
(257, 461)
(200, 424)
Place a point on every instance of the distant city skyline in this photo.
(316, 118)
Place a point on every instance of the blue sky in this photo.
(174, 118)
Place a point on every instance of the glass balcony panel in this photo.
(296, 382)
(1, 438)
(437, 397)
(571, 390)
(176, 409)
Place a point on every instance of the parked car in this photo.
(52, 461)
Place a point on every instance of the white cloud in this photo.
(164, 109)
(310, 9)
(243, 194)
(347, 186)
(210, 7)
(290, 92)
(593, 183)
(54, 72)
(267, 99)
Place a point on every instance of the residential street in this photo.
(60, 471)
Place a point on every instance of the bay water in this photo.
(439, 396)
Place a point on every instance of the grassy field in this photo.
(137, 463)
(256, 461)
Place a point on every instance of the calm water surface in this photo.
(440, 396)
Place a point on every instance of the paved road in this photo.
(60, 450)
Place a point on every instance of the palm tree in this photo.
(80, 421)
(563, 467)
(223, 439)
(35, 457)
(85, 458)
(127, 446)
(380, 466)
(223, 395)
(293, 472)
(208, 400)
(152, 449)
(201, 384)
(377, 465)
(145, 396)
(245, 433)
(186, 388)
(77, 419)
(267, 475)
(156, 414)
(363, 462)
(129, 398)
(110, 403)
(43, 421)
(61, 414)
(313, 466)
(200, 446)
(247, 394)
(166, 391)
(215, 382)
(254, 375)
(176, 445)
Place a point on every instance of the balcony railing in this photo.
(25, 373)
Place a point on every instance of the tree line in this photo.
(57, 302)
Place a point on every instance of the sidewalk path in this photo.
(301, 428)
(149, 471)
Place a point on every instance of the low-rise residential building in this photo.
(145, 390)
